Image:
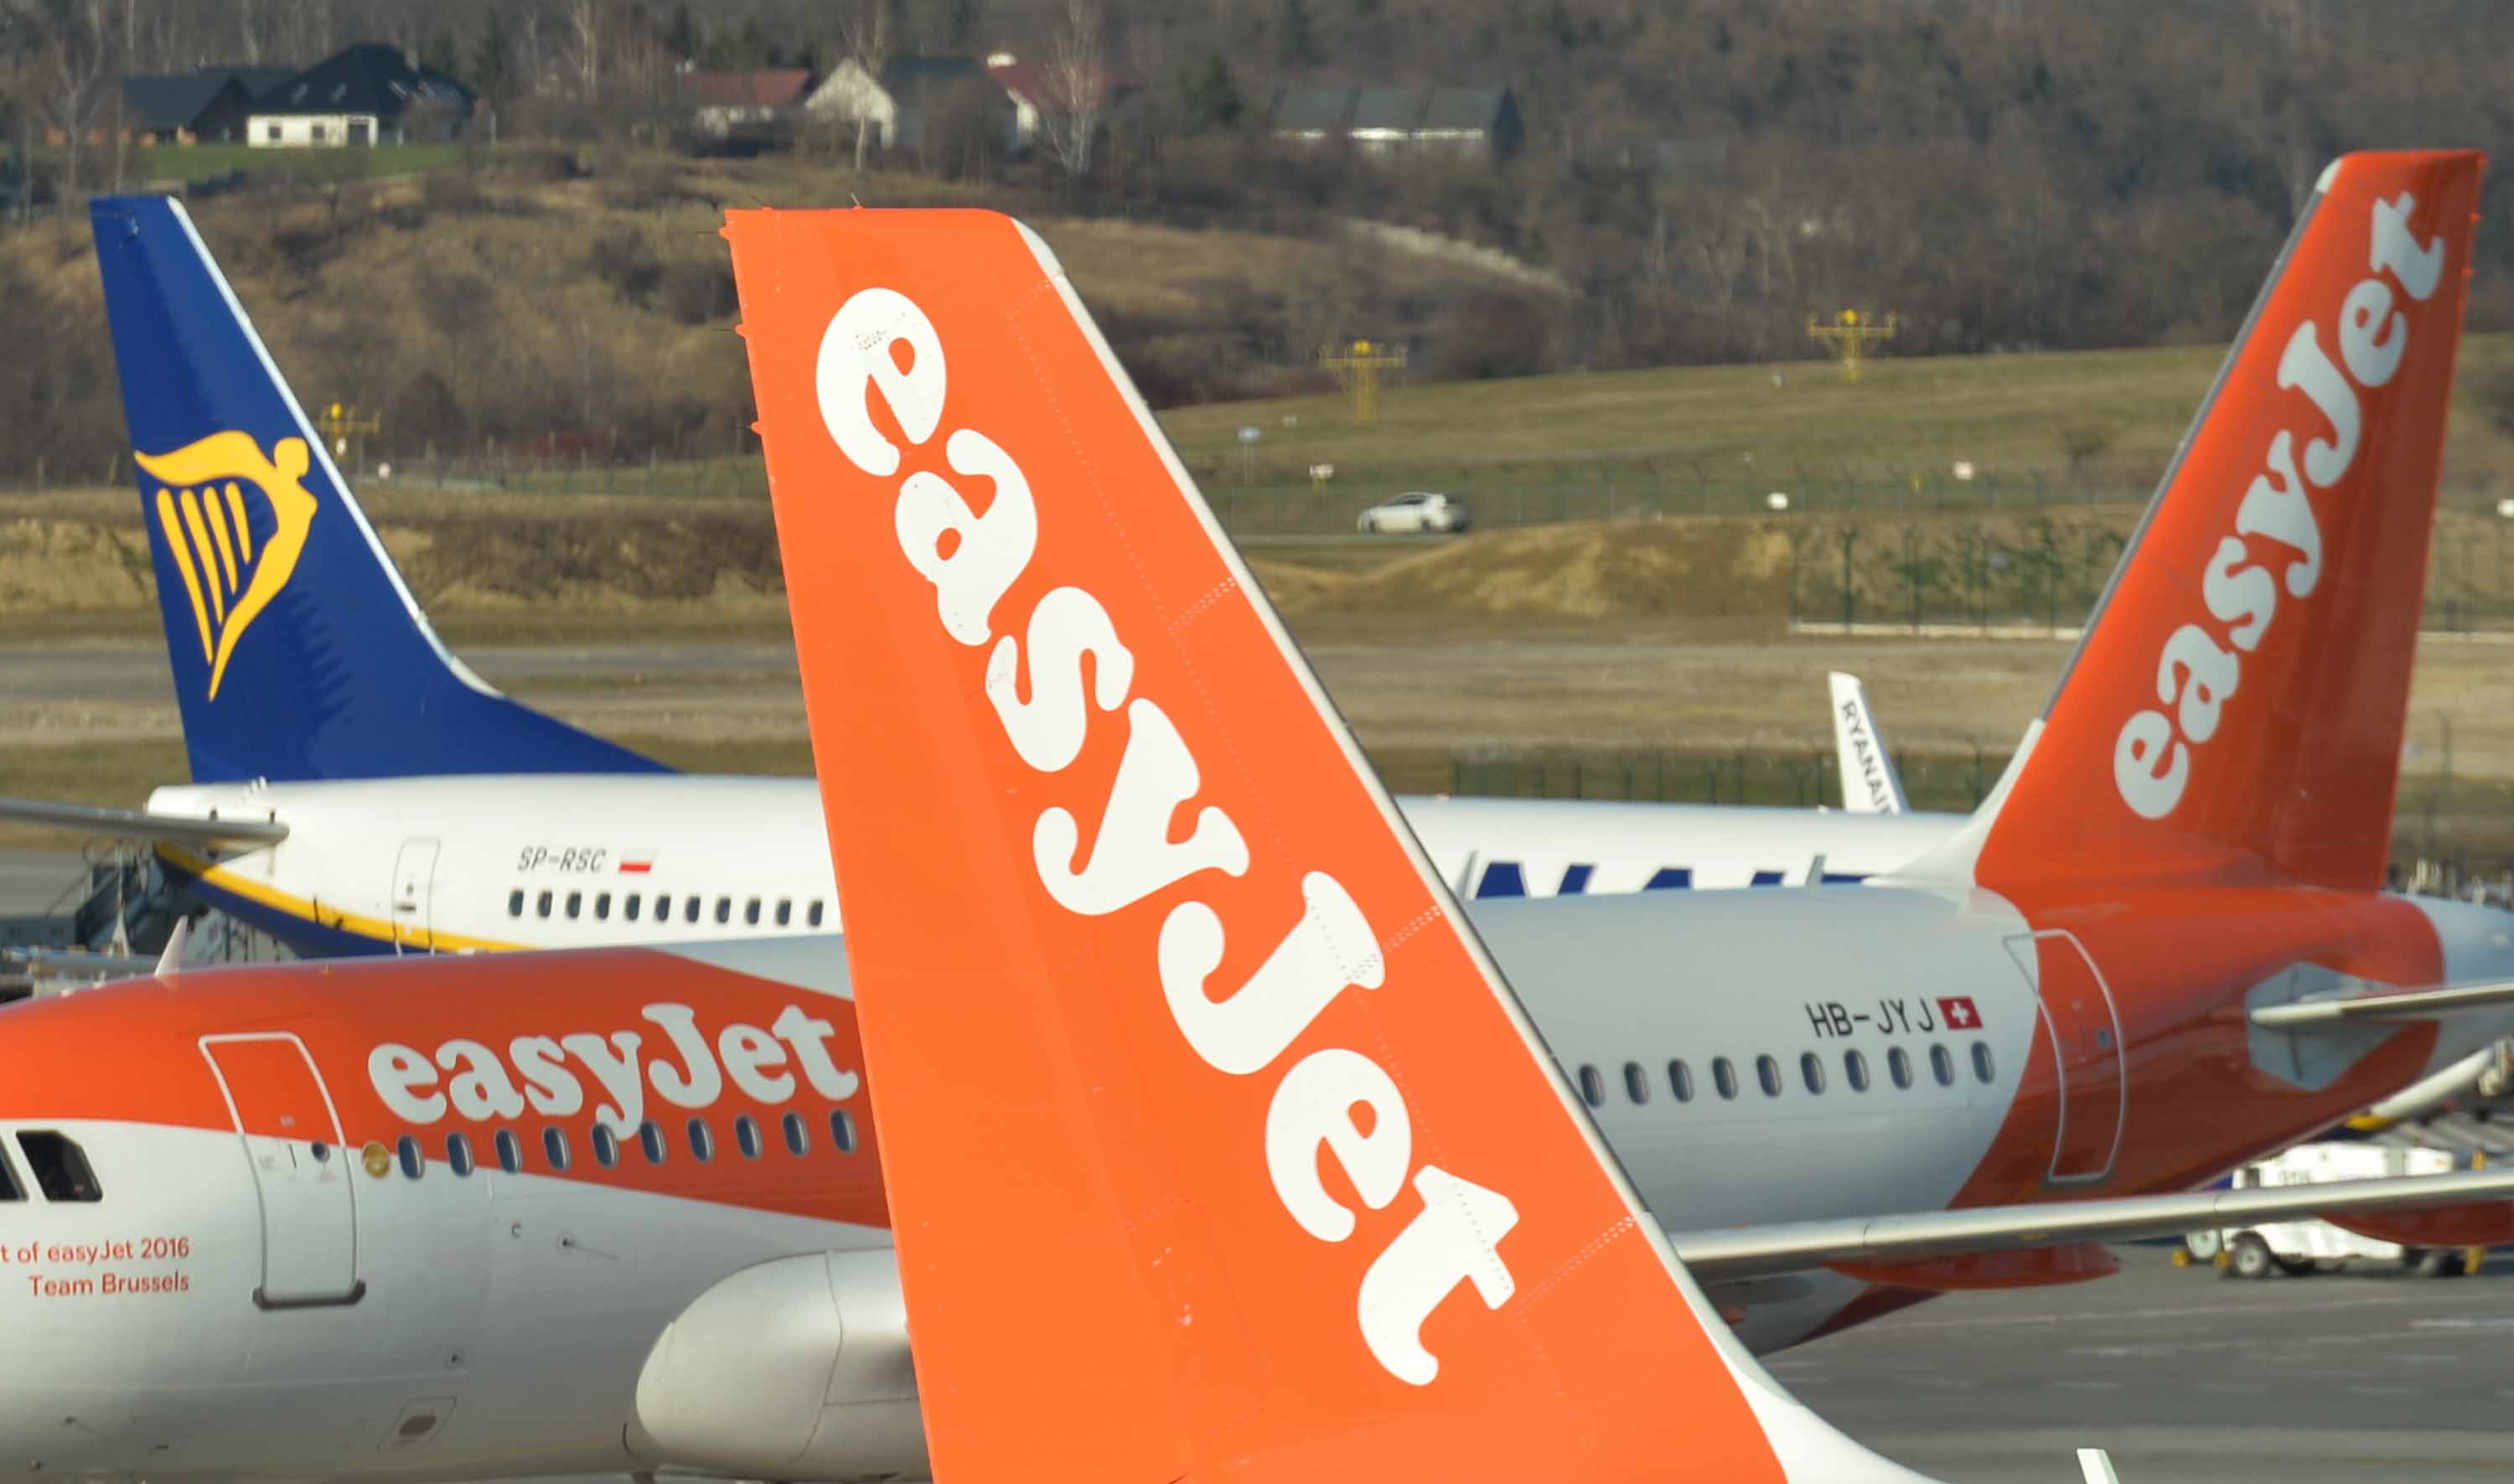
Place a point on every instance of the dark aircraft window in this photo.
(650, 1138)
(690, 911)
(1723, 1076)
(9, 1187)
(554, 1144)
(59, 1165)
(516, 903)
(1593, 1087)
(798, 1139)
(724, 910)
(1898, 1065)
(746, 1137)
(413, 1163)
(543, 906)
(1855, 1070)
(606, 1146)
(575, 904)
(510, 1151)
(457, 1153)
(1811, 1070)
(628, 908)
(750, 912)
(1942, 1066)
(785, 911)
(1636, 1082)
(1768, 1072)
(602, 908)
(812, 918)
(1680, 1081)
(1981, 1060)
(842, 1130)
(702, 1138)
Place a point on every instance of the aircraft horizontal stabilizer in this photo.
(140, 824)
(1753, 1252)
(2401, 1005)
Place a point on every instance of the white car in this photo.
(1416, 513)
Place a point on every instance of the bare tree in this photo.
(584, 21)
(1077, 82)
(864, 29)
(77, 74)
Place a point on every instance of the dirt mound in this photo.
(1631, 569)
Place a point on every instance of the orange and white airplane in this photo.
(1215, 1140)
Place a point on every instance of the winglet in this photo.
(1869, 783)
(297, 651)
(1142, 951)
(2235, 710)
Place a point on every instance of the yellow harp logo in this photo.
(205, 499)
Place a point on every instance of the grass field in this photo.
(155, 162)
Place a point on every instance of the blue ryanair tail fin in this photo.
(297, 651)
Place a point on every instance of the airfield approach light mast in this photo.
(339, 423)
(1357, 368)
(1849, 336)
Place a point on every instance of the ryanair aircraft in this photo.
(357, 789)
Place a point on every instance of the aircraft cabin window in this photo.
(543, 906)
(650, 1138)
(702, 1138)
(516, 903)
(413, 1163)
(510, 1151)
(1680, 1081)
(59, 1165)
(812, 918)
(1593, 1087)
(798, 1139)
(750, 912)
(1723, 1076)
(1942, 1066)
(690, 911)
(10, 1189)
(1768, 1072)
(575, 905)
(724, 910)
(628, 908)
(606, 1146)
(1636, 1082)
(745, 1136)
(554, 1144)
(602, 908)
(842, 1130)
(1855, 1070)
(785, 911)
(1811, 1070)
(1981, 1060)
(1898, 1065)
(457, 1153)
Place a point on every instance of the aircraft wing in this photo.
(140, 824)
(2386, 1005)
(1753, 1251)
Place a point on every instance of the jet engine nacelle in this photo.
(794, 1369)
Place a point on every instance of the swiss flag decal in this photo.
(1957, 1011)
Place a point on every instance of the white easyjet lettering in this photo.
(973, 561)
(2196, 675)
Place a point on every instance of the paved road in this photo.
(2185, 1377)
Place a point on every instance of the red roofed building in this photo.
(720, 102)
(1038, 93)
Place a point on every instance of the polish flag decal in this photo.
(1958, 1013)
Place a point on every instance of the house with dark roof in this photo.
(364, 94)
(1037, 94)
(1480, 121)
(722, 101)
(186, 107)
(899, 103)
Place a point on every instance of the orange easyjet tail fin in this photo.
(2235, 710)
(1216, 1147)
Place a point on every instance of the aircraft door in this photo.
(413, 893)
(303, 1177)
(2084, 1027)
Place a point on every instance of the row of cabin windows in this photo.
(507, 1147)
(1899, 1069)
(633, 905)
(57, 1164)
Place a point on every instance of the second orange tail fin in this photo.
(1216, 1147)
